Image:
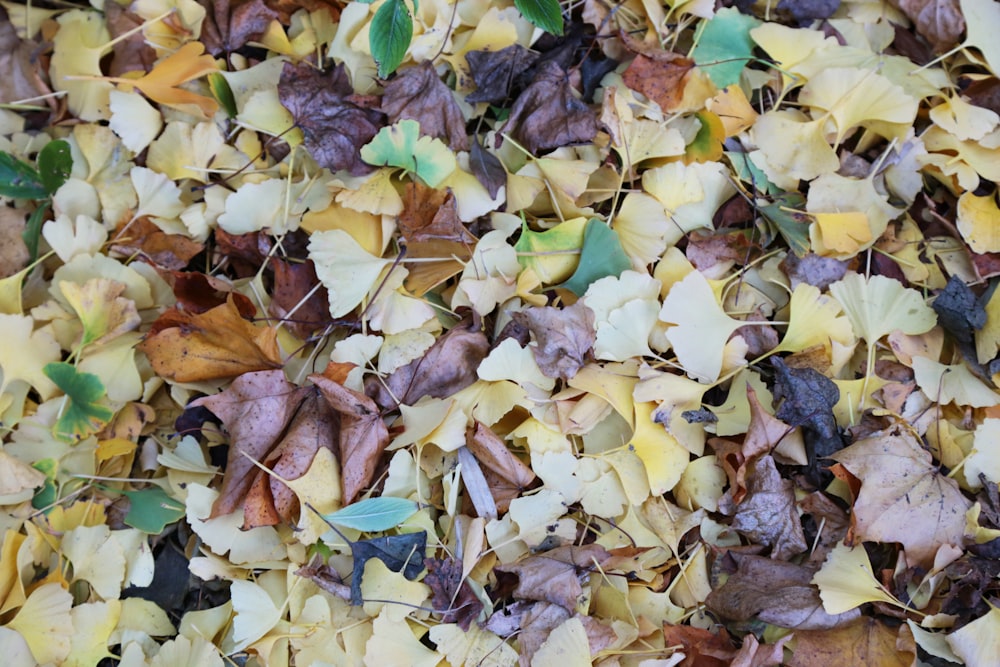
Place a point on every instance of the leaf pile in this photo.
(672, 338)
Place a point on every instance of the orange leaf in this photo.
(186, 64)
(216, 344)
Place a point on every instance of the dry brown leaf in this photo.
(768, 514)
(200, 293)
(230, 24)
(557, 575)
(255, 409)
(866, 641)
(132, 52)
(904, 497)
(419, 94)
(297, 302)
(754, 654)
(144, 239)
(494, 454)
(14, 254)
(701, 648)
(660, 77)
(940, 22)
(363, 435)
(219, 343)
(565, 337)
(431, 228)
(22, 74)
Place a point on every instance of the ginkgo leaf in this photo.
(847, 580)
(46, 623)
(254, 613)
(843, 232)
(97, 558)
(793, 147)
(600, 256)
(724, 46)
(945, 383)
(661, 454)
(641, 223)
(976, 222)
(698, 327)
(190, 652)
(78, 46)
(26, 353)
(374, 514)
(855, 97)
(103, 312)
(346, 269)
(982, 17)
(816, 319)
(83, 412)
(554, 253)
(566, 644)
(162, 83)
(151, 510)
(401, 145)
(978, 642)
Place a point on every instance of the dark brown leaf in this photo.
(701, 648)
(940, 22)
(487, 169)
(557, 575)
(132, 53)
(143, 238)
(548, 115)
(660, 76)
(451, 593)
(419, 94)
(229, 24)
(297, 302)
(985, 93)
(22, 72)
(773, 592)
(334, 128)
(565, 337)
(199, 293)
(447, 367)
(495, 71)
(255, 410)
(363, 435)
(431, 229)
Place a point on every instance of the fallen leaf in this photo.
(145, 239)
(230, 24)
(660, 76)
(557, 575)
(846, 581)
(866, 641)
(940, 22)
(418, 93)
(495, 72)
(399, 553)
(768, 514)
(219, 343)
(84, 412)
(162, 83)
(700, 647)
(494, 454)
(452, 594)
(564, 337)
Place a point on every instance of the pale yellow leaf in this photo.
(346, 269)
(567, 645)
(846, 581)
(978, 643)
(46, 623)
(393, 643)
(977, 222)
(390, 593)
(943, 384)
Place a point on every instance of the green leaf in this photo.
(82, 414)
(49, 493)
(601, 256)
(55, 163)
(724, 46)
(223, 93)
(151, 510)
(374, 514)
(552, 254)
(546, 14)
(33, 229)
(19, 180)
(390, 34)
(401, 145)
(793, 227)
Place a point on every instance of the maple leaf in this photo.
(904, 497)
(334, 128)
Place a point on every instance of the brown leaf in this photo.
(660, 76)
(701, 648)
(143, 238)
(447, 367)
(230, 24)
(244, 252)
(768, 514)
(325, 577)
(22, 73)
(431, 228)
(313, 428)
(556, 576)
(834, 521)
(14, 254)
(548, 115)
(494, 454)
(535, 624)
(452, 594)
(866, 641)
(565, 337)
(487, 169)
(363, 435)
(495, 72)
(904, 497)
(297, 301)
(286, 8)
(199, 293)
(985, 93)
(754, 654)
(773, 592)
(186, 347)
(334, 128)
(418, 93)
(132, 53)
(255, 409)
(940, 22)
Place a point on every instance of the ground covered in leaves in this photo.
(669, 339)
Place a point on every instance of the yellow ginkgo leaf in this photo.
(642, 224)
(18, 482)
(846, 581)
(45, 623)
(943, 384)
(856, 97)
(346, 269)
(78, 47)
(389, 591)
(97, 558)
(161, 84)
(841, 232)
(985, 455)
(978, 642)
(93, 623)
(793, 147)
(392, 642)
(977, 222)
(475, 646)
(690, 194)
(196, 652)
(566, 645)
(663, 456)
(815, 319)
(255, 613)
(964, 120)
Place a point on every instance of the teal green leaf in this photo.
(223, 93)
(546, 14)
(389, 35)
(401, 145)
(48, 494)
(724, 46)
(19, 180)
(55, 163)
(793, 227)
(33, 229)
(374, 514)
(151, 510)
(601, 256)
(83, 414)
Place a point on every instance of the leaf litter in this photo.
(615, 334)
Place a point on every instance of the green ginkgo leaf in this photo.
(724, 45)
(401, 145)
(83, 414)
(601, 256)
(553, 253)
(151, 510)
(374, 514)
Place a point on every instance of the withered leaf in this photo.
(363, 435)
(866, 641)
(557, 575)
(807, 11)
(255, 410)
(325, 577)
(244, 252)
(132, 53)
(418, 93)
(701, 647)
(565, 337)
(145, 239)
(400, 553)
(660, 76)
(219, 343)
(548, 115)
(14, 254)
(494, 454)
(985, 93)
(334, 128)
(959, 311)
(477, 489)
(447, 367)
(229, 24)
(768, 513)
(22, 79)
(269, 500)
(940, 22)
(487, 169)
(805, 397)
(296, 301)
(534, 624)
(495, 71)
(773, 592)
(431, 229)
(199, 293)
(452, 594)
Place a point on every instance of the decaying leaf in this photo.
(564, 336)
